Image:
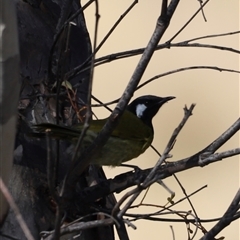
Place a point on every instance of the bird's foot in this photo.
(136, 168)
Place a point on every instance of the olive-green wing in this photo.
(130, 127)
(55, 131)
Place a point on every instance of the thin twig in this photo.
(15, 209)
(186, 24)
(101, 104)
(183, 189)
(173, 234)
(223, 48)
(144, 196)
(91, 215)
(187, 197)
(187, 114)
(164, 207)
(58, 34)
(219, 69)
(212, 36)
(131, 53)
(185, 43)
(73, 72)
(149, 217)
(185, 69)
(195, 160)
(201, 4)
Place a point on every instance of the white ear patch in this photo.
(140, 110)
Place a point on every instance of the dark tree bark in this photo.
(43, 63)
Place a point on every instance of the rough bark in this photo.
(41, 66)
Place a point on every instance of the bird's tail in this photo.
(54, 131)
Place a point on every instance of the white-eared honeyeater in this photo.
(132, 136)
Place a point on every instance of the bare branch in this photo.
(205, 158)
(184, 69)
(173, 234)
(14, 207)
(224, 137)
(212, 36)
(73, 72)
(135, 52)
(76, 227)
(191, 18)
(188, 199)
(163, 207)
(60, 30)
(194, 161)
(220, 69)
(183, 44)
(201, 2)
(187, 114)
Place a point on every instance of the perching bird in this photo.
(132, 136)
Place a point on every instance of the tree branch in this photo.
(135, 52)
(185, 69)
(15, 209)
(205, 159)
(80, 226)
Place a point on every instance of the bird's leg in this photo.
(136, 168)
(137, 172)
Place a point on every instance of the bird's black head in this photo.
(146, 107)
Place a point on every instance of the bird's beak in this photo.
(166, 99)
(162, 101)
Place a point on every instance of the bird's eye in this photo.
(146, 102)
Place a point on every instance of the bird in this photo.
(131, 137)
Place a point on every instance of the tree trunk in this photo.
(42, 65)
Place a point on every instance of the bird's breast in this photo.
(116, 151)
